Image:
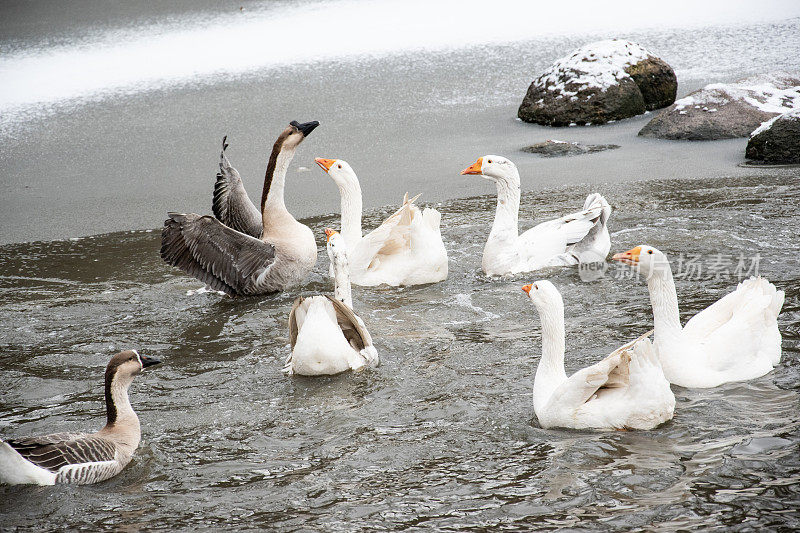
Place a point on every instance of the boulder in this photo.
(554, 148)
(726, 111)
(597, 83)
(776, 141)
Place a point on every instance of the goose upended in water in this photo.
(626, 390)
(244, 250)
(406, 249)
(734, 339)
(326, 336)
(569, 240)
(82, 458)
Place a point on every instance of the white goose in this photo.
(734, 339)
(326, 336)
(82, 458)
(406, 249)
(626, 390)
(569, 240)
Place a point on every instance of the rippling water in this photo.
(443, 433)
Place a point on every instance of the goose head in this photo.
(544, 295)
(127, 364)
(337, 250)
(339, 170)
(295, 133)
(495, 168)
(646, 259)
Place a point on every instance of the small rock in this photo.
(599, 82)
(776, 141)
(726, 111)
(554, 148)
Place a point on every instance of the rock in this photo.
(777, 141)
(599, 82)
(554, 148)
(726, 111)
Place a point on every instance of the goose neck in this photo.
(119, 412)
(506, 217)
(341, 280)
(272, 202)
(351, 204)
(664, 300)
(550, 372)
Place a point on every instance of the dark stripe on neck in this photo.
(273, 161)
(111, 409)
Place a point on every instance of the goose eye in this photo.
(489, 161)
(340, 166)
(649, 251)
(536, 287)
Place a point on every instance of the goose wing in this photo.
(55, 451)
(554, 236)
(351, 324)
(388, 238)
(612, 372)
(231, 205)
(221, 257)
(296, 318)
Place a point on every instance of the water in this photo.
(443, 433)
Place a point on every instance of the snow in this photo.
(794, 114)
(597, 65)
(770, 93)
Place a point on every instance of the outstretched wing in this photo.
(222, 258)
(231, 205)
(52, 452)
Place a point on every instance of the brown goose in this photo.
(82, 458)
(245, 251)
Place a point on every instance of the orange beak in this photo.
(527, 288)
(329, 233)
(474, 168)
(631, 257)
(325, 164)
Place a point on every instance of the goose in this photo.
(406, 249)
(326, 336)
(569, 240)
(245, 251)
(734, 339)
(626, 390)
(82, 458)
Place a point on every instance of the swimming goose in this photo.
(82, 458)
(734, 339)
(326, 336)
(626, 390)
(406, 249)
(569, 240)
(232, 254)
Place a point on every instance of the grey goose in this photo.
(82, 458)
(244, 250)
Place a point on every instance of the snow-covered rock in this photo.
(726, 110)
(776, 141)
(601, 81)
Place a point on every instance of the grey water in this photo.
(442, 435)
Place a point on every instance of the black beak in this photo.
(148, 361)
(306, 127)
